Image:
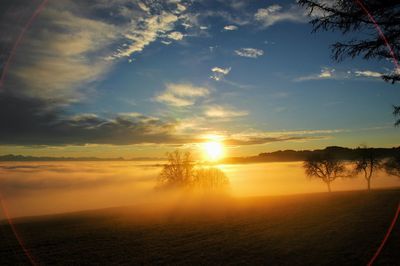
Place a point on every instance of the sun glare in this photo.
(213, 150)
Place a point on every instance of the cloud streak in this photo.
(181, 94)
(368, 73)
(217, 111)
(249, 52)
(275, 13)
(219, 73)
(231, 27)
(328, 73)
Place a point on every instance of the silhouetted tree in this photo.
(349, 16)
(211, 179)
(179, 170)
(392, 165)
(396, 113)
(367, 162)
(325, 167)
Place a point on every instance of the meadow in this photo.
(339, 228)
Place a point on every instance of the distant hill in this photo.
(292, 155)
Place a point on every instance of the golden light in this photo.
(213, 150)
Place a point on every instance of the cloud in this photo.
(145, 32)
(230, 27)
(265, 140)
(325, 73)
(181, 94)
(222, 112)
(219, 73)
(33, 121)
(259, 137)
(159, 20)
(367, 73)
(143, 6)
(249, 52)
(331, 73)
(175, 35)
(274, 13)
(71, 44)
(233, 17)
(166, 42)
(60, 54)
(41, 124)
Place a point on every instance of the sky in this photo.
(138, 78)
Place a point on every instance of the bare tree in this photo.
(355, 16)
(392, 166)
(367, 162)
(211, 179)
(179, 170)
(325, 167)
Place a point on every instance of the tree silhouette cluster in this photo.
(327, 167)
(183, 173)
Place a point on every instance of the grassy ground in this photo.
(341, 228)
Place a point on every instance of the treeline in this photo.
(341, 153)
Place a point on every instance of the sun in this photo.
(213, 150)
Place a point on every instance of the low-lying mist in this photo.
(36, 188)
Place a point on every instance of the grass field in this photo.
(341, 228)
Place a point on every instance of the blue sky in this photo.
(140, 77)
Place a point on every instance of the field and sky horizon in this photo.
(185, 132)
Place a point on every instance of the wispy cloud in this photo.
(67, 47)
(181, 94)
(219, 73)
(275, 13)
(327, 73)
(64, 51)
(264, 137)
(231, 27)
(157, 22)
(249, 52)
(217, 111)
(175, 35)
(367, 73)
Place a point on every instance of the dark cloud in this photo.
(265, 140)
(32, 121)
